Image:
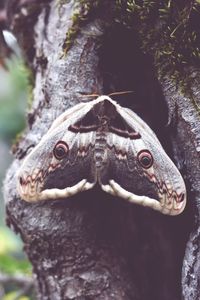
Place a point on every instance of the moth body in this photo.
(102, 143)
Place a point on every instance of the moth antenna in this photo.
(90, 95)
(121, 93)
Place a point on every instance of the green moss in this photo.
(14, 98)
(16, 140)
(30, 84)
(71, 33)
(28, 79)
(82, 10)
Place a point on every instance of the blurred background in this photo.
(15, 270)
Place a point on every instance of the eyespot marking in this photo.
(145, 158)
(60, 150)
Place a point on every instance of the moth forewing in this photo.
(41, 162)
(136, 122)
(65, 116)
(79, 110)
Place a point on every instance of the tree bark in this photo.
(95, 246)
(186, 144)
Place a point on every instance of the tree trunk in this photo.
(95, 246)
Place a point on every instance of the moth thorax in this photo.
(100, 148)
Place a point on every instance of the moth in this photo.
(102, 143)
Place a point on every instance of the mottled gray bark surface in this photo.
(186, 141)
(94, 246)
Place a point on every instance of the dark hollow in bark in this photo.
(94, 246)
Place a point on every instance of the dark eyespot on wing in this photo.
(60, 150)
(145, 158)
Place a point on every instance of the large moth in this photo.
(100, 142)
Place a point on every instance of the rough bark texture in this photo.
(94, 246)
(186, 140)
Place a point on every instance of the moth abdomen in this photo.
(100, 149)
